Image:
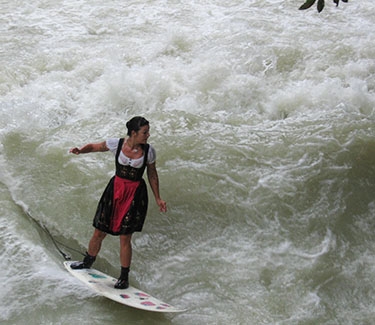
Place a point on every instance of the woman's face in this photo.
(142, 135)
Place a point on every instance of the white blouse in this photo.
(112, 145)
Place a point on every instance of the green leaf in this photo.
(307, 4)
(320, 5)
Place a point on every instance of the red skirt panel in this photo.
(123, 196)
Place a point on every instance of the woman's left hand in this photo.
(162, 205)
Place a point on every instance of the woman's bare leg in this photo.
(125, 259)
(125, 250)
(96, 242)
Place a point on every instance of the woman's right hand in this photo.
(76, 151)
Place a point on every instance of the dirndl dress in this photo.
(123, 206)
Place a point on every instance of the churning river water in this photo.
(262, 117)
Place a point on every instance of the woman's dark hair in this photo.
(135, 124)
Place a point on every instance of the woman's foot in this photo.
(122, 284)
(87, 262)
(123, 281)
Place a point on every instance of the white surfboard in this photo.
(103, 284)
